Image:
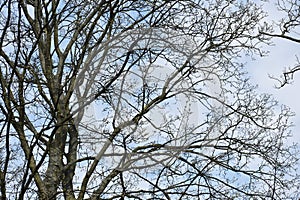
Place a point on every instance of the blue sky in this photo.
(282, 56)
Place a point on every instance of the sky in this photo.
(282, 55)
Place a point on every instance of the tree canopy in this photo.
(126, 99)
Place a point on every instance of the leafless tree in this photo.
(125, 99)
